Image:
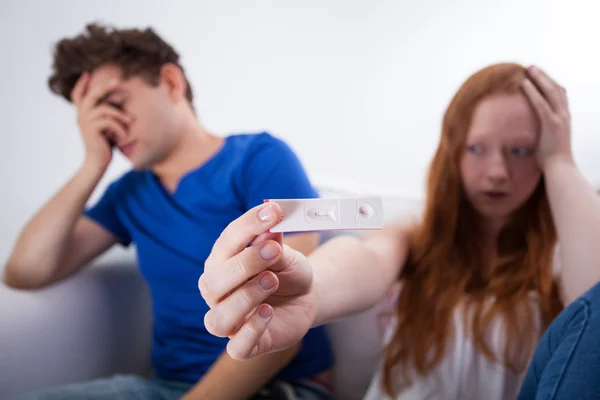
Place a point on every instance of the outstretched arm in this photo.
(353, 274)
(344, 276)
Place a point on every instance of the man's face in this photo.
(152, 128)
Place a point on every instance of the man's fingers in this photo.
(252, 339)
(115, 123)
(106, 111)
(92, 98)
(222, 320)
(537, 100)
(242, 231)
(111, 129)
(550, 89)
(80, 88)
(216, 283)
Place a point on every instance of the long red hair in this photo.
(446, 264)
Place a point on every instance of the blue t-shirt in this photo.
(174, 234)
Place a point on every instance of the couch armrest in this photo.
(94, 324)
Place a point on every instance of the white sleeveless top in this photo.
(464, 373)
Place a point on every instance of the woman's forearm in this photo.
(352, 275)
(576, 209)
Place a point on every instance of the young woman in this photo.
(477, 277)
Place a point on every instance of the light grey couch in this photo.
(93, 324)
(97, 323)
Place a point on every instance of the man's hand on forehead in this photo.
(102, 123)
(110, 98)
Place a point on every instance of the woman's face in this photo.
(498, 166)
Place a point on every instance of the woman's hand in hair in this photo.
(549, 100)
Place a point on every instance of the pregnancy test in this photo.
(353, 213)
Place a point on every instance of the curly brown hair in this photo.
(137, 52)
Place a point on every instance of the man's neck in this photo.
(194, 148)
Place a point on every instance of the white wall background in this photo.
(341, 81)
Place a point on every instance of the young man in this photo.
(185, 187)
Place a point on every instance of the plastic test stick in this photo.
(323, 214)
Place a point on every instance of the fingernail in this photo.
(532, 69)
(269, 251)
(112, 82)
(266, 214)
(267, 281)
(265, 312)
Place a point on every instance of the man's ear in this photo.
(172, 78)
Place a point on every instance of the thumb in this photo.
(291, 259)
(277, 237)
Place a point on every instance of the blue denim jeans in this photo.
(131, 387)
(118, 387)
(566, 362)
